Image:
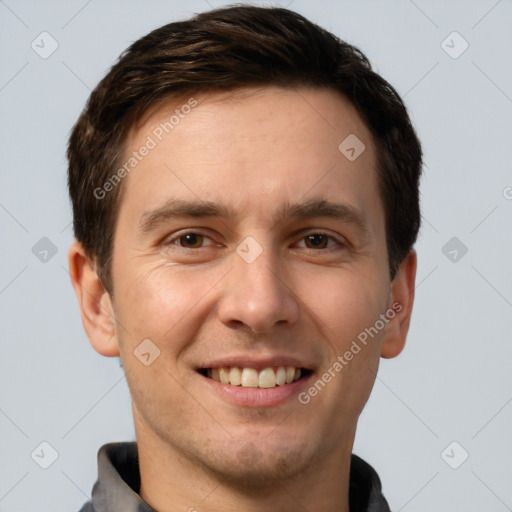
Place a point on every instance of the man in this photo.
(245, 198)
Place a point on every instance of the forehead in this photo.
(256, 149)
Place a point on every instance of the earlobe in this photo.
(98, 316)
(401, 302)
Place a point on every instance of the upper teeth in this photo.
(251, 378)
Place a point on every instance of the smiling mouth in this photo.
(265, 378)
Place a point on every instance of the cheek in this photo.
(345, 302)
(157, 300)
(347, 311)
(352, 309)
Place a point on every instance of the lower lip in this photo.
(256, 397)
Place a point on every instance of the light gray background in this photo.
(453, 380)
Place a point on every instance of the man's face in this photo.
(254, 288)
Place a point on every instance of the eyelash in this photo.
(175, 239)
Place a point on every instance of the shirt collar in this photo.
(118, 484)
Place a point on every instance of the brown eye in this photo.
(191, 240)
(316, 241)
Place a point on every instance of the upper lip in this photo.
(245, 361)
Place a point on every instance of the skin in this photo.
(254, 151)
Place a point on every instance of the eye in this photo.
(319, 241)
(189, 240)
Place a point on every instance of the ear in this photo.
(400, 301)
(95, 304)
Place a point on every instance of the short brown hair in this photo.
(223, 50)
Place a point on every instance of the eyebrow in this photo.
(178, 208)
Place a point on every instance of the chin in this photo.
(254, 465)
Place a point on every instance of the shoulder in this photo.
(365, 491)
(87, 507)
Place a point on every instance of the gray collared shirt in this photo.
(118, 484)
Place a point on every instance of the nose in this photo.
(258, 295)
